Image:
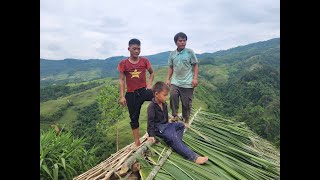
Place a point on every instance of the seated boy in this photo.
(171, 133)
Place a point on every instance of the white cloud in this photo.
(88, 29)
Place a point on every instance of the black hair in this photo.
(159, 86)
(180, 35)
(134, 41)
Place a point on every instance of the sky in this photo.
(98, 29)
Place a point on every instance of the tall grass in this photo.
(63, 156)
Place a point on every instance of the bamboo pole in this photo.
(113, 163)
(117, 140)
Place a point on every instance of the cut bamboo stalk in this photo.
(112, 163)
(131, 160)
(157, 167)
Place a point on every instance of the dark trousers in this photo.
(134, 102)
(172, 135)
(186, 96)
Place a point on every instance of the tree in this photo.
(108, 100)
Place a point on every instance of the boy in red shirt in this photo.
(133, 69)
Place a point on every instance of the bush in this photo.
(63, 156)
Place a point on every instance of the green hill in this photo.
(87, 97)
(75, 70)
(241, 83)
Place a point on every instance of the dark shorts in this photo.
(134, 102)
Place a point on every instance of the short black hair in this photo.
(134, 41)
(159, 86)
(180, 35)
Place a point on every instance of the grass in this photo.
(218, 74)
(84, 75)
(79, 100)
(102, 80)
(87, 97)
(68, 118)
(125, 133)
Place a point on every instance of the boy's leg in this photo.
(179, 129)
(130, 104)
(134, 106)
(186, 99)
(174, 99)
(168, 134)
(182, 149)
(171, 137)
(140, 97)
(148, 95)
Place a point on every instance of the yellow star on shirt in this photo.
(135, 73)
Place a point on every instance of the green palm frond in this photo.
(234, 151)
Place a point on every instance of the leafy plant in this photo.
(63, 156)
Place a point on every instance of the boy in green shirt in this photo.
(182, 77)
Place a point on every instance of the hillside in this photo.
(221, 87)
(241, 84)
(75, 70)
(86, 98)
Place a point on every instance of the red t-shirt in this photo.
(135, 73)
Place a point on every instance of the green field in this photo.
(125, 135)
(79, 100)
(88, 97)
(241, 84)
(251, 90)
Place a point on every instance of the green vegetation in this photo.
(56, 91)
(234, 152)
(242, 83)
(68, 105)
(63, 156)
(86, 126)
(255, 100)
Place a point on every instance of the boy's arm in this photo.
(195, 75)
(122, 98)
(170, 71)
(149, 85)
(194, 62)
(151, 118)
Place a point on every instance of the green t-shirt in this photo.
(182, 63)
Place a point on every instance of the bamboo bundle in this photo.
(106, 168)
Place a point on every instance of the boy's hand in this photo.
(168, 82)
(194, 82)
(149, 86)
(123, 101)
(152, 139)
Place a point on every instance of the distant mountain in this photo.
(75, 70)
(241, 82)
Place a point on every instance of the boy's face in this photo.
(134, 50)
(181, 43)
(162, 95)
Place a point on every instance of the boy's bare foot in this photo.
(137, 143)
(186, 120)
(201, 159)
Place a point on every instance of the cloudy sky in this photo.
(98, 29)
